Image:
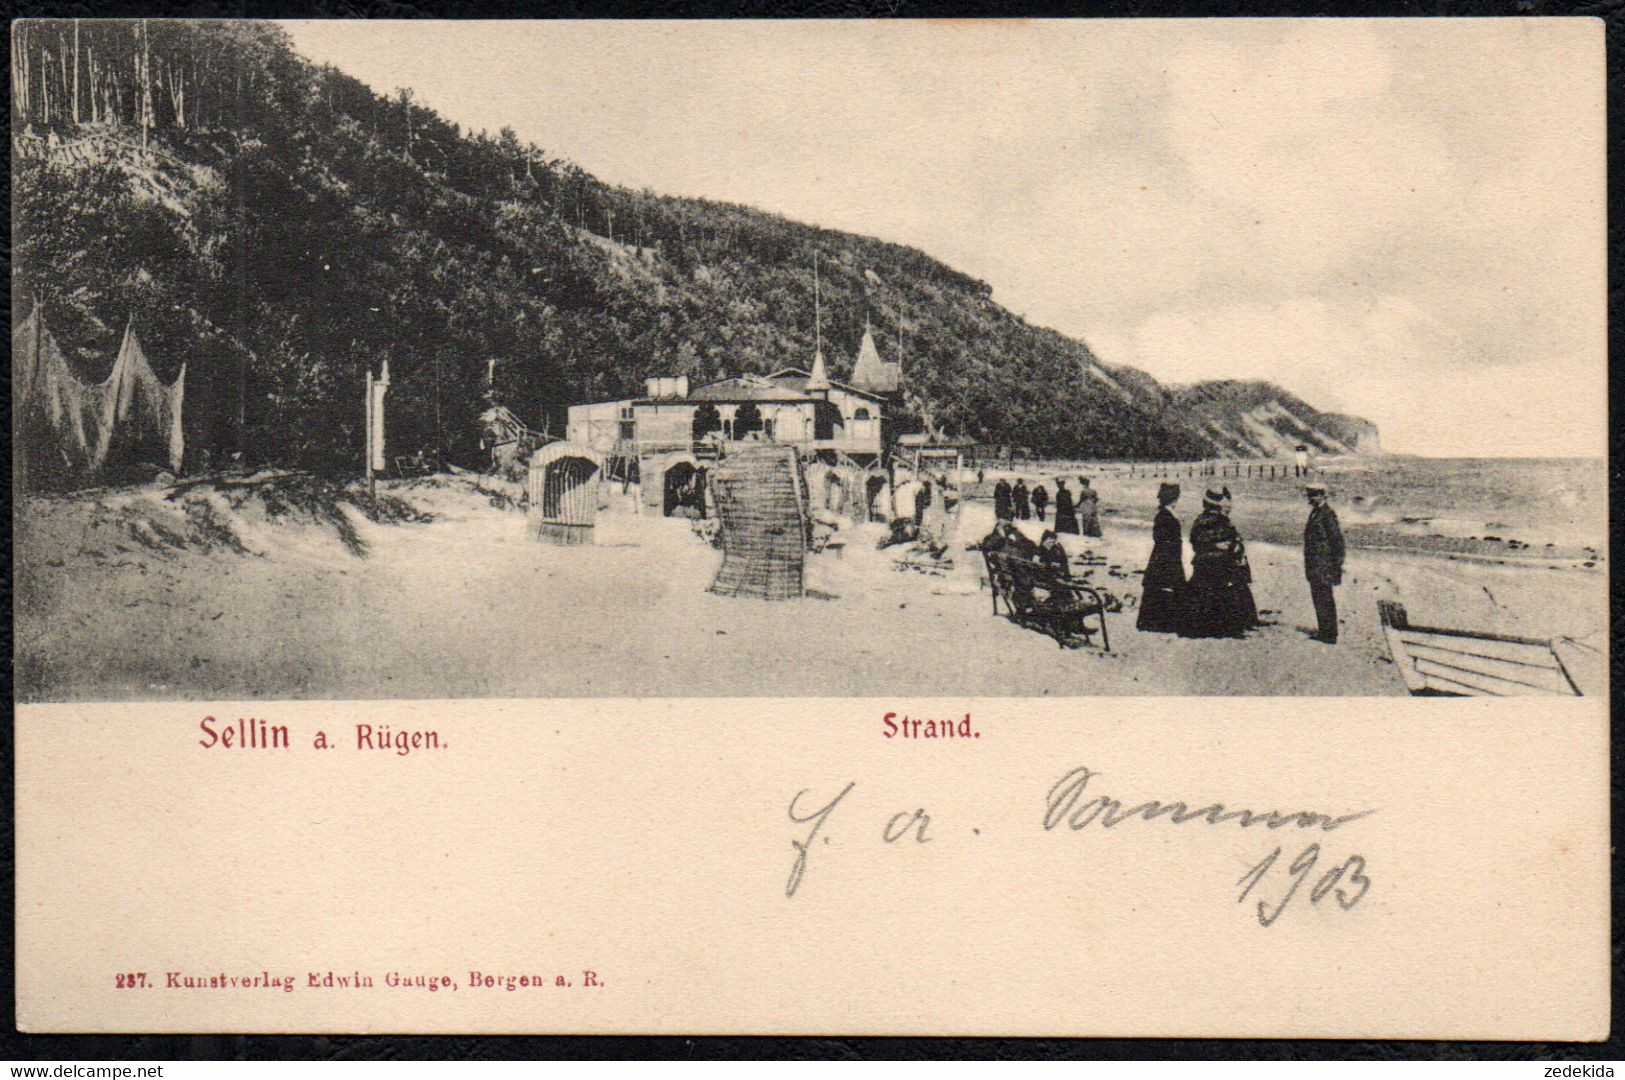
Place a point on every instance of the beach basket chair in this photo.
(562, 493)
(761, 503)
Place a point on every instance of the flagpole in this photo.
(818, 307)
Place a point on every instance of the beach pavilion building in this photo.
(827, 421)
(820, 416)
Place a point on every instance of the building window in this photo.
(626, 412)
(629, 430)
(861, 414)
(728, 429)
(767, 429)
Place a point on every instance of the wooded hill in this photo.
(282, 229)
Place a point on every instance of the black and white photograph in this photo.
(474, 360)
(845, 529)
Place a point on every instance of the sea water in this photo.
(1525, 502)
(1506, 507)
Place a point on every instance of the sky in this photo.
(1399, 219)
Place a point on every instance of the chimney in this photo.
(665, 387)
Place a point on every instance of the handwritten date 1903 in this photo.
(1346, 882)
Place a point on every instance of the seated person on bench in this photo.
(1008, 539)
(1064, 603)
(1019, 553)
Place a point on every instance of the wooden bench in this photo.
(1062, 613)
(418, 464)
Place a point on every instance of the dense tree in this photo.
(282, 229)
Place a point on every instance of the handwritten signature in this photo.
(817, 817)
(1063, 805)
(1346, 882)
(901, 824)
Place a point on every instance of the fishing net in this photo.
(67, 422)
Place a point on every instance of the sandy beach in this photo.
(240, 604)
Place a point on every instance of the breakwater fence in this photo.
(1237, 469)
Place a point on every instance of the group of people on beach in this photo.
(1217, 599)
(1078, 516)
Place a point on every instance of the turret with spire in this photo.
(872, 373)
(818, 381)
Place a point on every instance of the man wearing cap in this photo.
(1323, 561)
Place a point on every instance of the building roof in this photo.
(748, 388)
(872, 373)
(799, 377)
(788, 385)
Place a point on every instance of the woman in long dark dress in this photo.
(1066, 517)
(1164, 579)
(1002, 510)
(1218, 599)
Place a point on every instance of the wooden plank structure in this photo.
(761, 502)
(563, 492)
(508, 438)
(1468, 663)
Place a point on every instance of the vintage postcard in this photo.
(844, 527)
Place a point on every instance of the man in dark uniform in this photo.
(1323, 561)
